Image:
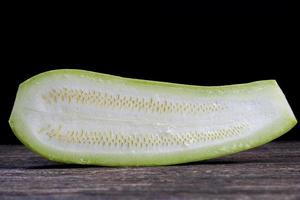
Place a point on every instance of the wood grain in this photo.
(268, 172)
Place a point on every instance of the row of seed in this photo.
(117, 101)
(113, 139)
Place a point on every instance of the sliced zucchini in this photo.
(77, 116)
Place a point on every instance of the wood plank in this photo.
(268, 172)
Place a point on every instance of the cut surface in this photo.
(76, 116)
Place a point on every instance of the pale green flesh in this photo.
(76, 116)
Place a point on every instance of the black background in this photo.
(224, 8)
(160, 43)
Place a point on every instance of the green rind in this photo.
(269, 133)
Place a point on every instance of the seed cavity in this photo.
(122, 140)
(117, 101)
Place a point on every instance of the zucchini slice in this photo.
(77, 116)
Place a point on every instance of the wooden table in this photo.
(268, 172)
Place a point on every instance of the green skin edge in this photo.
(265, 135)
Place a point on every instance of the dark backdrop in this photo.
(224, 8)
(169, 41)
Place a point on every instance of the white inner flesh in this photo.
(86, 124)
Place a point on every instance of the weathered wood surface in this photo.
(268, 172)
